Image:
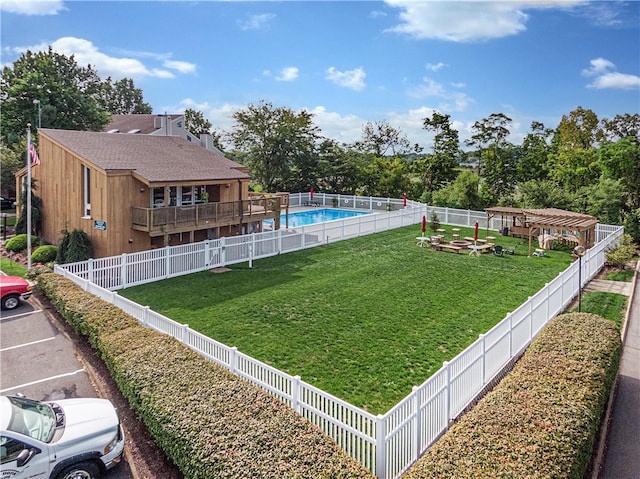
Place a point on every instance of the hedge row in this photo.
(542, 419)
(208, 421)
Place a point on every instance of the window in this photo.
(158, 198)
(86, 191)
(10, 448)
(187, 195)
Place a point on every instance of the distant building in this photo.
(158, 125)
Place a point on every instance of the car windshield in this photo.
(32, 418)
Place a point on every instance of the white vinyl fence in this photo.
(387, 444)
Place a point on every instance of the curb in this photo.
(599, 457)
(93, 377)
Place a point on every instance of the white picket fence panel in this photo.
(387, 444)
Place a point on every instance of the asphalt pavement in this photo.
(38, 359)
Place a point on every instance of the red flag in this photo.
(475, 233)
(34, 154)
(404, 200)
(424, 224)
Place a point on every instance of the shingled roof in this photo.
(143, 124)
(153, 158)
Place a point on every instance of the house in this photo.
(133, 192)
(158, 125)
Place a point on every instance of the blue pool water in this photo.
(321, 215)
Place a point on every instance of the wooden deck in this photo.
(180, 219)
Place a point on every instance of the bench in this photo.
(448, 247)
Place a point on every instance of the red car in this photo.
(13, 289)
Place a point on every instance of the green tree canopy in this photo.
(122, 98)
(273, 141)
(438, 168)
(67, 93)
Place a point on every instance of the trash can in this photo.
(505, 231)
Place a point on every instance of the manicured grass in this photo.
(11, 268)
(622, 275)
(364, 319)
(610, 306)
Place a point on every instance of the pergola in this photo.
(565, 226)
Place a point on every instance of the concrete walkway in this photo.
(622, 456)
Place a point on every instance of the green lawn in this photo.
(11, 268)
(364, 319)
(610, 306)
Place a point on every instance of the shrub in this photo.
(623, 254)
(632, 225)
(19, 243)
(435, 221)
(45, 254)
(208, 421)
(74, 246)
(541, 420)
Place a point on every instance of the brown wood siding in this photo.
(60, 184)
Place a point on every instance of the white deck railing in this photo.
(386, 444)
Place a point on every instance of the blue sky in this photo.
(350, 62)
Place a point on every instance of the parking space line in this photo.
(26, 344)
(12, 316)
(41, 380)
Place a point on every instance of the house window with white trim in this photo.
(86, 192)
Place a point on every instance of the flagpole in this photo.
(28, 195)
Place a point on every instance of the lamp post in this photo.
(579, 251)
(37, 102)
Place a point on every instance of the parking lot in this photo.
(37, 359)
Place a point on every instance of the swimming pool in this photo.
(322, 215)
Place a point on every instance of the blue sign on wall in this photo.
(100, 225)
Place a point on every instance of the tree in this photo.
(438, 168)
(605, 200)
(74, 246)
(491, 131)
(621, 161)
(122, 98)
(574, 164)
(532, 159)
(543, 194)
(340, 170)
(463, 193)
(389, 177)
(622, 126)
(272, 140)
(382, 139)
(12, 158)
(196, 123)
(36, 204)
(67, 94)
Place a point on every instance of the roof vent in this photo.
(115, 130)
(137, 130)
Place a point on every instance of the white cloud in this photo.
(86, 53)
(605, 78)
(32, 7)
(180, 67)
(450, 100)
(434, 67)
(256, 22)
(467, 21)
(619, 81)
(288, 74)
(342, 128)
(353, 79)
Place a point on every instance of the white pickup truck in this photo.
(66, 439)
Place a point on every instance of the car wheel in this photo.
(11, 301)
(82, 470)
